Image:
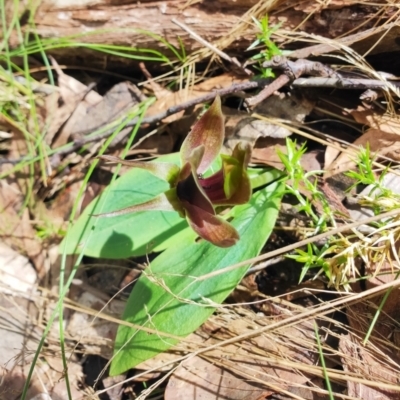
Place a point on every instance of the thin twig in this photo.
(345, 83)
(78, 143)
(279, 82)
(291, 71)
(170, 111)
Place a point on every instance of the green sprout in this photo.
(271, 49)
(337, 258)
(301, 182)
(380, 198)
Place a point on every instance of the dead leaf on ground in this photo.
(198, 378)
(18, 280)
(76, 109)
(331, 154)
(16, 228)
(61, 104)
(267, 137)
(383, 139)
(56, 373)
(55, 214)
(367, 364)
(16, 272)
(89, 117)
(95, 334)
(383, 122)
(12, 383)
(380, 142)
(251, 369)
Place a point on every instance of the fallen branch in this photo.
(291, 70)
(78, 143)
(346, 83)
(322, 76)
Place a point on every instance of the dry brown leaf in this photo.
(16, 273)
(16, 229)
(62, 104)
(249, 130)
(16, 343)
(96, 335)
(234, 372)
(380, 142)
(58, 389)
(382, 138)
(331, 153)
(197, 378)
(12, 383)
(18, 148)
(56, 213)
(266, 152)
(160, 142)
(383, 122)
(267, 137)
(286, 107)
(357, 359)
(88, 117)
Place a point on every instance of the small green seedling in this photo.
(271, 49)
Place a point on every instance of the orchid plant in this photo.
(191, 194)
(177, 292)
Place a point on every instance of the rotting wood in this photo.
(124, 22)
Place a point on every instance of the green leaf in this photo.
(264, 176)
(166, 171)
(166, 201)
(153, 306)
(125, 235)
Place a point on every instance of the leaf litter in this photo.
(256, 363)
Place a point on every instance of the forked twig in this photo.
(291, 70)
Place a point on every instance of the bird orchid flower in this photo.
(193, 195)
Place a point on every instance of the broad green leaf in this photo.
(166, 171)
(176, 239)
(264, 176)
(125, 235)
(153, 306)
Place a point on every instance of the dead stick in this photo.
(345, 83)
(279, 82)
(78, 143)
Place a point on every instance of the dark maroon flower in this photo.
(192, 195)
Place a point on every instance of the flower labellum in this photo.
(193, 196)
